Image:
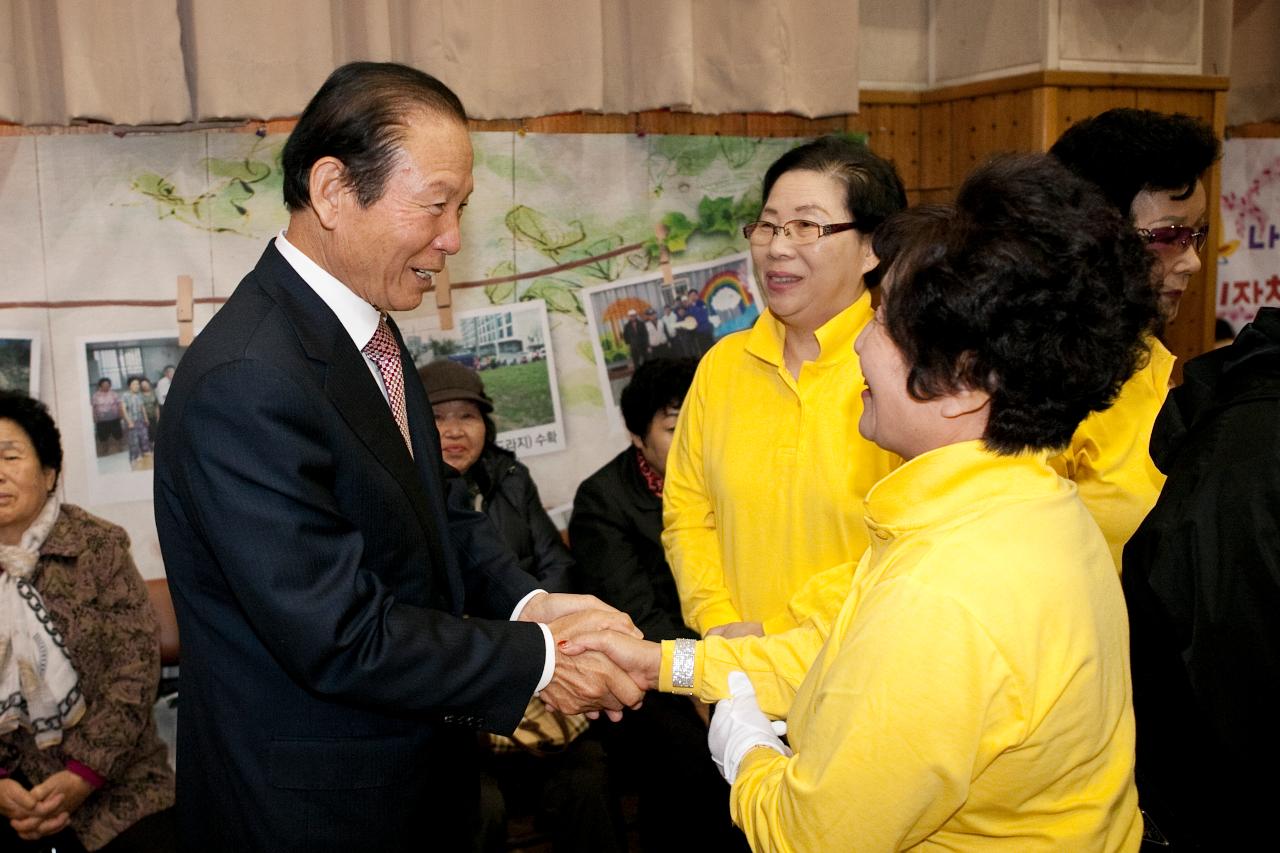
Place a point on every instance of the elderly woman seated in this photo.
(81, 767)
(973, 692)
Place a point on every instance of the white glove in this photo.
(739, 726)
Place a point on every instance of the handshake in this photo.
(603, 663)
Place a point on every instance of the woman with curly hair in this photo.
(973, 692)
(81, 766)
(1150, 166)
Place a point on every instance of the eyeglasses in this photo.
(798, 231)
(1175, 238)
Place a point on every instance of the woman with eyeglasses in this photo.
(767, 472)
(1151, 167)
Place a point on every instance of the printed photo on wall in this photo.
(126, 380)
(640, 318)
(509, 348)
(20, 362)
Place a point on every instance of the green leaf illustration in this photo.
(716, 215)
(560, 295)
(543, 232)
(679, 229)
(737, 150)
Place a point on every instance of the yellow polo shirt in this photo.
(1110, 459)
(766, 477)
(974, 692)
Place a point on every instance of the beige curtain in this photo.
(164, 61)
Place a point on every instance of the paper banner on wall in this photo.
(1249, 258)
(641, 318)
(510, 347)
(20, 362)
(124, 383)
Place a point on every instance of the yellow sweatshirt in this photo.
(974, 692)
(1109, 457)
(766, 477)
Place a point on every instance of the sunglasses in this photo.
(1175, 237)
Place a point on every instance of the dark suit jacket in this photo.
(319, 579)
(615, 535)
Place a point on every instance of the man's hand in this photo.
(730, 630)
(640, 659)
(55, 799)
(549, 607)
(589, 683)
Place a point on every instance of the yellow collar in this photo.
(949, 482)
(835, 337)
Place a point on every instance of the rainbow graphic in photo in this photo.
(730, 301)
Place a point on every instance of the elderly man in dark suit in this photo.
(318, 566)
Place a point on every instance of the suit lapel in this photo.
(348, 383)
(428, 460)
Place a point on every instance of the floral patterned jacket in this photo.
(99, 602)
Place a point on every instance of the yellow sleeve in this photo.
(1109, 456)
(818, 600)
(776, 664)
(689, 519)
(892, 735)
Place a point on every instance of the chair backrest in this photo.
(162, 604)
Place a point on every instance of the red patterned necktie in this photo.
(384, 352)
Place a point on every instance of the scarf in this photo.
(652, 479)
(39, 688)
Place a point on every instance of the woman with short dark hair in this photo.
(1151, 167)
(767, 472)
(81, 766)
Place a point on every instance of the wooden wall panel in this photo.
(1199, 104)
(986, 125)
(935, 146)
(893, 132)
(1077, 102)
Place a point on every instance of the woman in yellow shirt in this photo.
(1151, 166)
(973, 692)
(767, 449)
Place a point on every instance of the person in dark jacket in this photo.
(615, 532)
(1202, 584)
(566, 773)
(501, 487)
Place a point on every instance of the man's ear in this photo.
(966, 401)
(329, 190)
(636, 441)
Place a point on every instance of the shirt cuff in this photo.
(86, 773)
(515, 614)
(549, 661)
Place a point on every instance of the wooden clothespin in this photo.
(186, 311)
(444, 298)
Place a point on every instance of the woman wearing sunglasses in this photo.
(1151, 167)
(767, 472)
